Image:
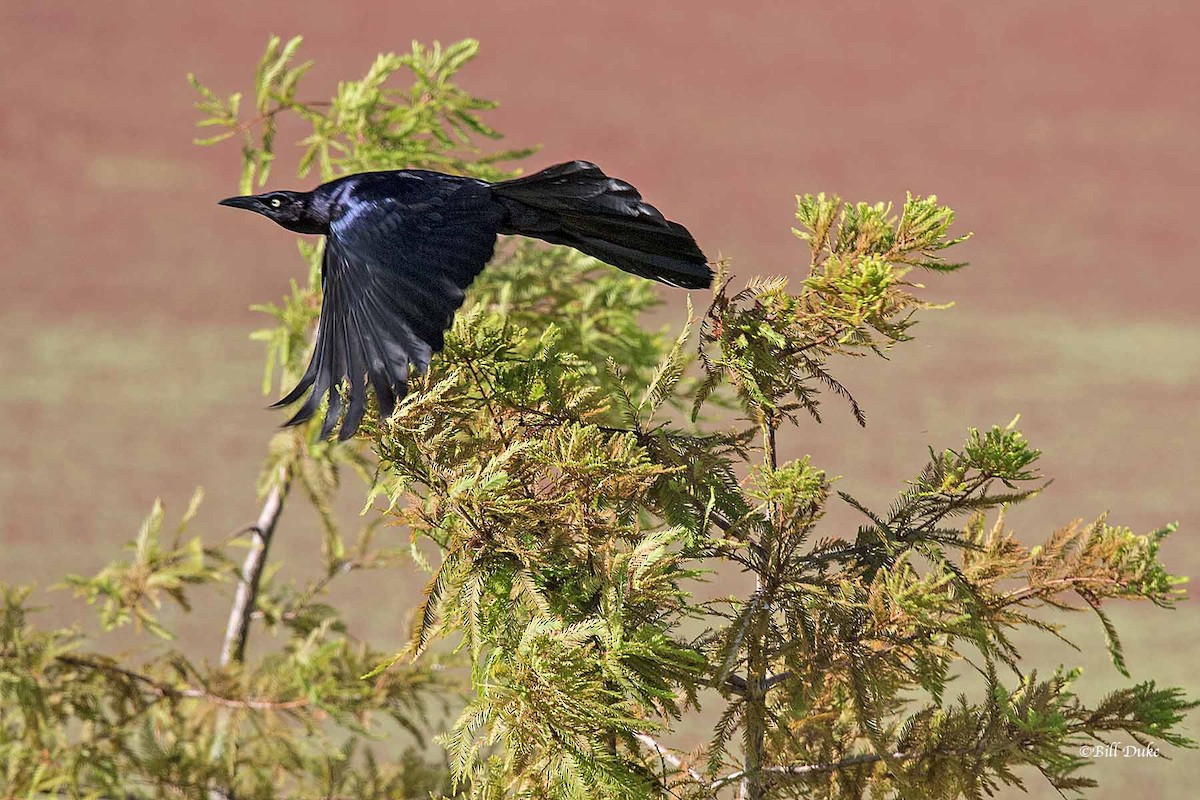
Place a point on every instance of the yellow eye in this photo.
(275, 202)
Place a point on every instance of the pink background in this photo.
(1064, 134)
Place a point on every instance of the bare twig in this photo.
(246, 125)
(805, 770)
(736, 684)
(233, 649)
(165, 690)
(720, 521)
(236, 631)
(669, 757)
(773, 680)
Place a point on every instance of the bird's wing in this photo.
(396, 265)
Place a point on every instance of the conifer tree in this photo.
(572, 482)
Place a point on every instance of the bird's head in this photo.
(292, 210)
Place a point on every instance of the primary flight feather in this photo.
(401, 247)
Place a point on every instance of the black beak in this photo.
(249, 202)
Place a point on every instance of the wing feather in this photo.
(396, 267)
(338, 360)
(357, 344)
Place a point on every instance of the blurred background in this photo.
(1063, 134)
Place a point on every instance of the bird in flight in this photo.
(402, 246)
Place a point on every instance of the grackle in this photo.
(402, 246)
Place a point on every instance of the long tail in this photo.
(578, 205)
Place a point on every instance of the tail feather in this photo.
(576, 204)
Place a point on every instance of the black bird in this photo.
(402, 246)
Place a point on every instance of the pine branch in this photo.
(167, 691)
(757, 657)
(271, 113)
(1040, 591)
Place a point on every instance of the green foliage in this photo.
(368, 124)
(79, 723)
(571, 519)
(772, 346)
(132, 592)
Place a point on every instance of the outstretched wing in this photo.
(397, 262)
